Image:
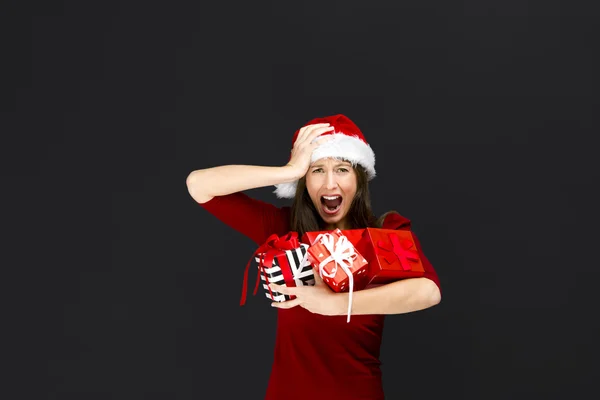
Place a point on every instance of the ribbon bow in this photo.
(399, 250)
(272, 246)
(343, 254)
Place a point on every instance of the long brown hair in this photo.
(305, 218)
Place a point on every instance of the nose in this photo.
(331, 182)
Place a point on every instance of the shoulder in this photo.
(393, 220)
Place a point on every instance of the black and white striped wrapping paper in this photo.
(301, 271)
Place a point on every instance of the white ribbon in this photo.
(303, 262)
(343, 254)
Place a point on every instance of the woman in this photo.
(318, 354)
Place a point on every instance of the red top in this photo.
(316, 356)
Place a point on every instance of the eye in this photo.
(343, 169)
(317, 170)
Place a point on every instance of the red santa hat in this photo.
(348, 143)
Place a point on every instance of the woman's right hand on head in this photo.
(304, 145)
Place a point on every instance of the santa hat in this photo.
(348, 143)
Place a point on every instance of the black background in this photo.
(481, 115)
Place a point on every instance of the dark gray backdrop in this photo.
(481, 115)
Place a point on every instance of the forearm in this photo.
(206, 183)
(398, 297)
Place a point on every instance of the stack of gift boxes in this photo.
(346, 260)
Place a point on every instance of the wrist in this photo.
(293, 172)
(342, 303)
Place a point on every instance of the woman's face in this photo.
(331, 185)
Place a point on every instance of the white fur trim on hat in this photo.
(350, 148)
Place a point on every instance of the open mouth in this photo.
(331, 204)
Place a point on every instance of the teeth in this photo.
(330, 197)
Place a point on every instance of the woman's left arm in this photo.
(398, 297)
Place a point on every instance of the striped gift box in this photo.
(289, 268)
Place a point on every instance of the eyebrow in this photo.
(343, 163)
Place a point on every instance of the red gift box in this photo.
(338, 262)
(336, 258)
(354, 235)
(392, 255)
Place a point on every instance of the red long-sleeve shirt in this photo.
(316, 356)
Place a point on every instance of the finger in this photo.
(284, 289)
(318, 279)
(301, 133)
(286, 304)
(317, 132)
(322, 140)
(309, 130)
